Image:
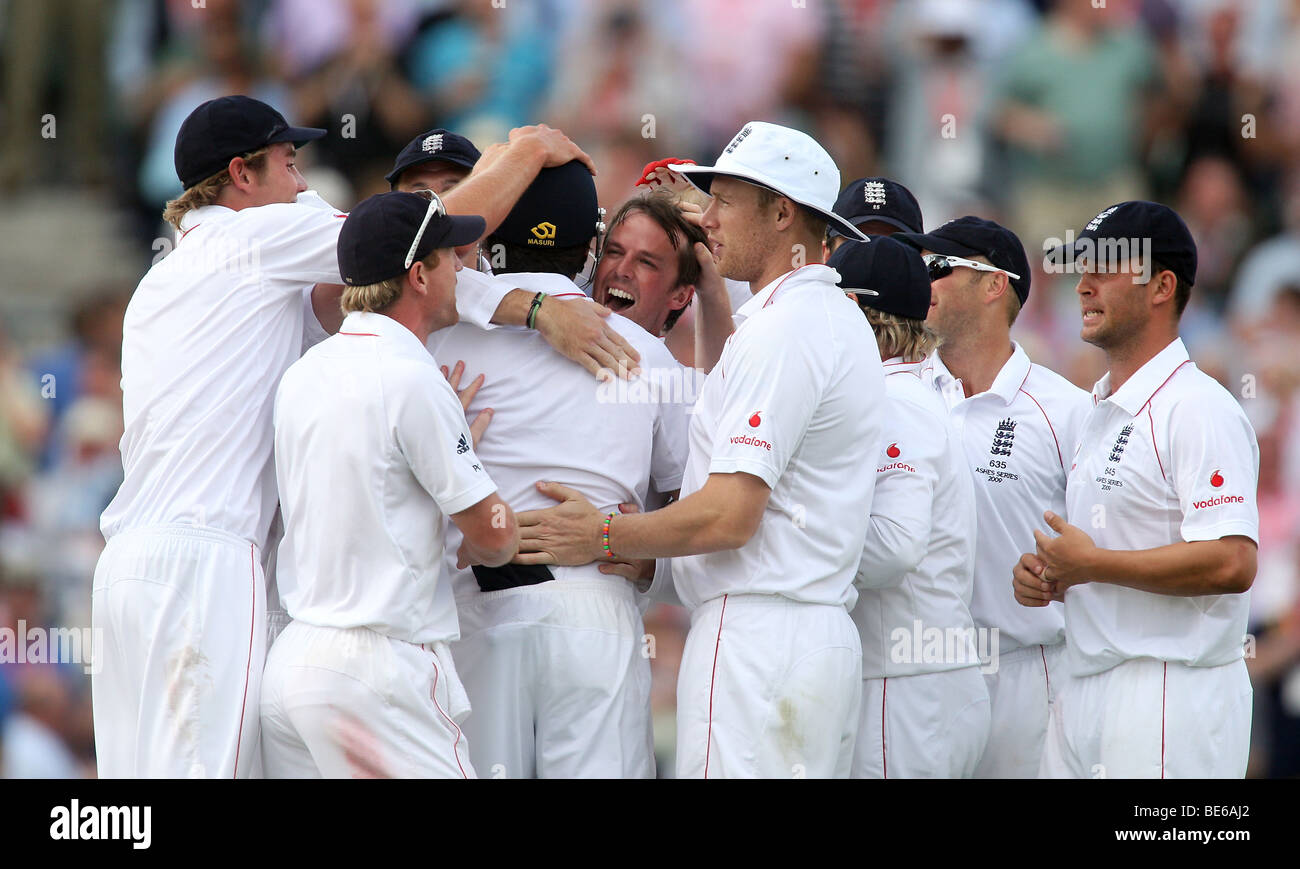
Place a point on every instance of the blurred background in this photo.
(1036, 113)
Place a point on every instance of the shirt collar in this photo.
(896, 365)
(1146, 381)
(803, 276)
(1005, 386)
(363, 324)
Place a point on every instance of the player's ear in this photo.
(1164, 286)
(241, 176)
(681, 296)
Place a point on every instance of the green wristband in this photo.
(531, 322)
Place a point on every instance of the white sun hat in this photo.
(782, 159)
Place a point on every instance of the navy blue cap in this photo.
(1128, 228)
(880, 199)
(436, 144)
(228, 127)
(974, 236)
(887, 275)
(558, 210)
(376, 237)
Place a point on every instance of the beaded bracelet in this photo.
(532, 312)
(604, 536)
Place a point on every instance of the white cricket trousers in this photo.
(1151, 719)
(768, 688)
(558, 675)
(929, 725)
(353, 703)
(182, 611)
(1020, 697)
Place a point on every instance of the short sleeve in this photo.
(1214, 469)
(434, 437)
(772, 383)
(297, 241)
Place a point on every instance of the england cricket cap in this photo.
(783, 160)
(869, 199)
(1130, 227)
(974, 236)
(375, 240)
(228, 127)
(887, 275)
(433, 145)
(558, 210)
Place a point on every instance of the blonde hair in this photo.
(376, 298)
(913, 340)
(209, 189)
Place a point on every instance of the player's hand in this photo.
(568, 534)
(657, 174)
(490, 156)
(1066, 557)
(640, 572)
(556, 148)
(578, 331)
(710, 284)
(484, 417)
(1027, 582)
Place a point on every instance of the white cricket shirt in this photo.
(554, 421)
(915, 573)
(1168, 457)
(207, 334)
(1018, 438)
(372, 453)
(798, 400)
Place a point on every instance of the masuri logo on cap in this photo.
(543, 233)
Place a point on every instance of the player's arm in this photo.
(1190, 568)
(494, 190)
(899, 528)
(325, 305)
(491, 533)
(713, 322)
(575, 328)
(723, 514)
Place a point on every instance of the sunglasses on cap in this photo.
(940, 265)
(435, 207)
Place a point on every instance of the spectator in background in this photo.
(24, 422)
(358, 92)
(1270, 265)
(1072, 109)
(620, 68)
(1213, 203)
(225, 61)
(483, 69)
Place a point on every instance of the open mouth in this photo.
(617, 299)
(1091, 316)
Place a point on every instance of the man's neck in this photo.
(1124, 361)
(779, 265)
(412, 318)
(977, 360)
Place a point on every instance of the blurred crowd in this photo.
(1036, 113)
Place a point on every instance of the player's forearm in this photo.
(1225, 566)
(699, 523)
(493, 192)
(513, 310)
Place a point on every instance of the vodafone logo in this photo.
(893, 452)
(1215, 502)
(755, 421)
(748, 441)
(1216, 479)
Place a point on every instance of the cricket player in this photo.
(925, 710)
(554, 660)
(1156, 562)
(365, 661)
(1018, 424)
(775, 498)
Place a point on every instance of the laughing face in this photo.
(637, 276)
